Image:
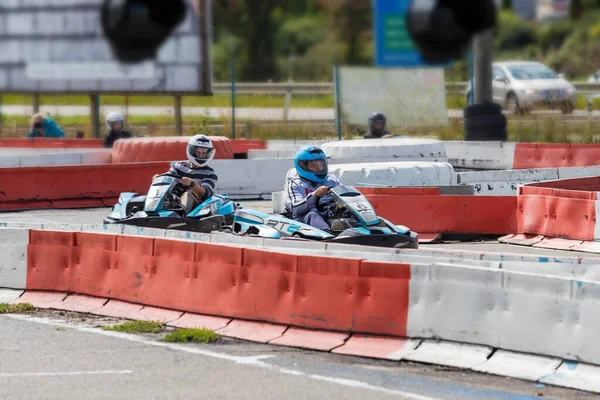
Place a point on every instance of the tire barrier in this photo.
(164, 149)
(484, 122)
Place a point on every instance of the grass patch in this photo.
(137, 327)
(191, 336)
(15, 308)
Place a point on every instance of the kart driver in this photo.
(377, 123)
(195, 173)
(309, 187)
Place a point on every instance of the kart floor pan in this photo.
(204, 225)
(392, 241)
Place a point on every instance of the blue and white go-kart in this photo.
(350, 215)
(161, 208)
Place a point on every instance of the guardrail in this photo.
(583, 88)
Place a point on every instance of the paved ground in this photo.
(54, 356)
(96, 215)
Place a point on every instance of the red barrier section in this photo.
(164, 149)
(243, 145)
(41, 143)
(533, 155)
(75, 185)
(447, 213)
(564, 208)
(324, 293)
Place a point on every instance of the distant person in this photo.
(114, 123)
(377, 123)
(44, 127)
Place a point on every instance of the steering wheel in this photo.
(179, 188)
(322, 206)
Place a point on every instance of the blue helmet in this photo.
(318, 171)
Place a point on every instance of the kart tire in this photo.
(476, 110)
(485, 122)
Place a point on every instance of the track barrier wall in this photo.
(478, 317)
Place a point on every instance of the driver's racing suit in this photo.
(204, 176)
(301, 203)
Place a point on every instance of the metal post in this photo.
(482, 51)
(95, 114)
(287, 101)
(36, 103)
(178, 118)
(338, 117)
(232, 95)
(471, 76)
(205, 12)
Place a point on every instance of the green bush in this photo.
(514, 32)
(552, 36)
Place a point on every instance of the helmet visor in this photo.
(315, 166)
(201, 153)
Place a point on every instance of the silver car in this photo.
(520, 86)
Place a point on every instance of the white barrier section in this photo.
(251, 177)
(481, 155)
(507, 182)
(458, 355)
(396, 174)
(55, 158)
(13, 258)
(504, 183)
(399, 149)
(291, 145)
(269, 154)
(544, 315)
(519, 366)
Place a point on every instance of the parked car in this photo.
(520, 86)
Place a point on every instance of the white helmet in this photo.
(112, 117)
(200, 142)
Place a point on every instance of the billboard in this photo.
(57, 46)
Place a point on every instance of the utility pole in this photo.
(482, 52)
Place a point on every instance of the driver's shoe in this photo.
(339, 226)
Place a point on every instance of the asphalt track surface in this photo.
(57, 355)
(49, 354)
(96, 215)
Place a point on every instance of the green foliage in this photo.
(552, 36)
(18, 308)
(191, 336)
(137, 327)
(514, 32)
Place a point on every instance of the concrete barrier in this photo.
(399, 149)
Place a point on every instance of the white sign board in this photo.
(58, 46)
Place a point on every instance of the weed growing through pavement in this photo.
(137, 327)
(15, 308)
(187, 335)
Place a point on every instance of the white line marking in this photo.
(250, 360)
(24, 374)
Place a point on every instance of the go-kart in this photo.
(161, 208)
(350, 215)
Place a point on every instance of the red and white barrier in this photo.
(326, 303)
